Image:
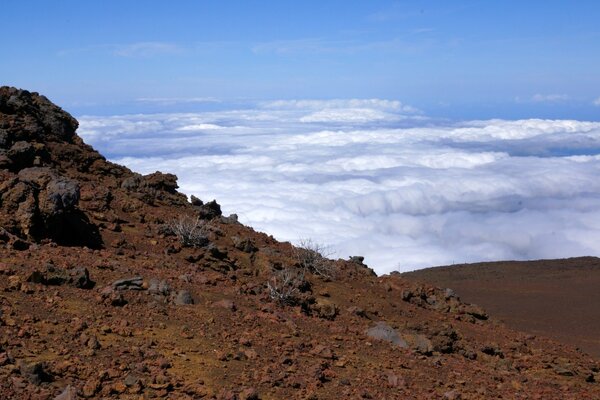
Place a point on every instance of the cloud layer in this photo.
(377, 178)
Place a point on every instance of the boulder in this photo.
(161, 181)
(210, 210)
(38, 203)
(384, 332)
(183, 297)
(21, 155)
(34, 372)
(70, 393)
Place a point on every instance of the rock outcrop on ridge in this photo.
(113, 285)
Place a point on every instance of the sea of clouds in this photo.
(379, 178)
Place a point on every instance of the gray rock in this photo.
(3, 139)
(131, 380)
(183, 297)
(449, 293)
(357, 260)
(246, 245)
(132, 183)
(70, 393)
(161, 181)
(422, 344)
(34, 372)
(80, 278)
(62, 194)
(210, 210)
(196, 201)
(159, 288)
(21, 154)
(135, 283)
(231, 219)
(384, 332)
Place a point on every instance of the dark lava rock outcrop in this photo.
(114, 286)
(36, 200)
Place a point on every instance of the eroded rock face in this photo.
(27, 116)
(36, 200)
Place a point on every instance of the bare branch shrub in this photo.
(191, 232)
(284, 286)
(312, 257)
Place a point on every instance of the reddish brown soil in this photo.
(556, 298)
(67, 216)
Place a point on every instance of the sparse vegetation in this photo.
(284, 286)
(191, 232)
(312, 257)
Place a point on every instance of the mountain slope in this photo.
(113, 285)
(557, 298)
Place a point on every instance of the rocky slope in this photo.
(556, 298)
(113, 285)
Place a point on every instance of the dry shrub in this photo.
(191, 232)
(284, 286)
(312, 257)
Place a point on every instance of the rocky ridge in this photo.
(114, 285)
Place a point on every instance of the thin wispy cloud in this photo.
(343, 47)
(147, 49)
(129, 50)
(408, 197)
(544, 98)
(596, 102)
(177, 100)
(549, 98)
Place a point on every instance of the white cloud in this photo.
(596, 102)
(147, 49)
(548, 98)
(404, 197)
(177, 100)
(319, 105)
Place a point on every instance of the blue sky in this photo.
(456, 59)
(412, 133)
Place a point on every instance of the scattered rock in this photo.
(135, 283)
(161, 181)
(210, 210)
(422, 345)
(245, 245)
(384, 332)
(196, 201)
(357, 260)
(325, 309)
(249, 394)
(70, 393)
(226, 304)
(159, 288)
(231, 219)
(183, 297)
(80, 278)
(34, 372)
(452, 395)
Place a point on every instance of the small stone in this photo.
(384, 332)
(34, 372)
(249, 394)
(81, 278)
(118, 388)
(131, 380)
(117, 300)
(183, 297)
(225, 303)
(69, 393)
(452, 395)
